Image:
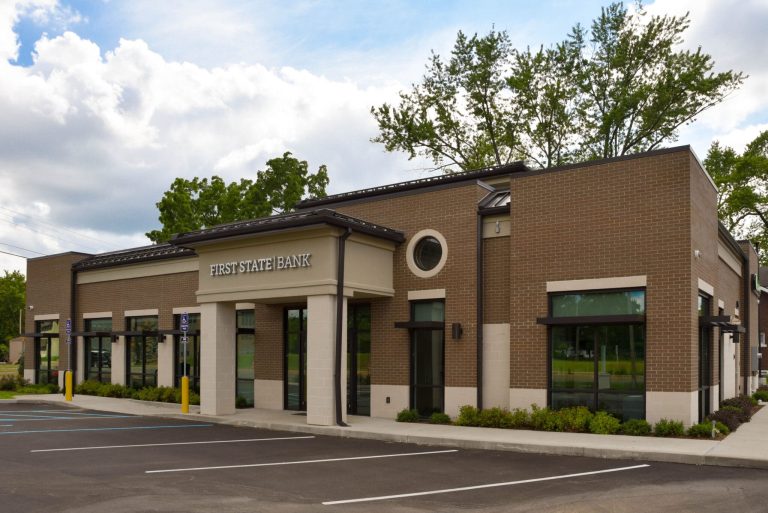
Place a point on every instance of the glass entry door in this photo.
(295, 326)
(47, 352)
(358, 359)
(98, 350)
(427, 358)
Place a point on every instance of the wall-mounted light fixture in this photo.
(456, 330)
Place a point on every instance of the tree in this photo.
(742, 182)
(12, 298)
(199, 203)
(621, 87)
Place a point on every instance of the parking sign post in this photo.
(68, 372)
(184, 325)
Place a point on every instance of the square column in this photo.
(321, 350)
(217, 358)
(118, 361)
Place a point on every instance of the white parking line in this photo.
(26, 419)
(480, 487)
(328, 460)
(173, 443)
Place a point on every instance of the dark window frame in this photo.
(243, 331)
(102, 340)
(39, 335)
(303, 329)
(353, 408)
(600, 320)
(143, 335)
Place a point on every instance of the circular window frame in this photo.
(409, 257)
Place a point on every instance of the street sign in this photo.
(68, 329)
(184, 322)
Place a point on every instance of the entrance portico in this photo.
(289, 259)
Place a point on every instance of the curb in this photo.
(419, 439)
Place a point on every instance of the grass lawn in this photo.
(7, 395)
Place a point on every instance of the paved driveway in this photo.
(59, 459)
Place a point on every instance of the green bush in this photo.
(468, 416)
(88, 387)
(722, 428)
(729, 416)
(519, 418)
(742, 414)
(636, 427)
(240, 402)
(743, 402)
(10, 382)
(701, 430)
(439, 418)
(668, 428)
(50, 388)
(575, 419)
(544, 419)
(495, 418)
(603, 423)
(194, 398)
(407, 415)
(761, 395)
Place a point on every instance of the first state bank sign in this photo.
(257, 265)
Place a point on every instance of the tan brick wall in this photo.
(268, 359)
(452, 212)
(48, 291)
(496, 280)
(623, 218)
(162, 292)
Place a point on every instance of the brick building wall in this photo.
(496, 280)
(451, 211)
(626, 217)
(48, 292)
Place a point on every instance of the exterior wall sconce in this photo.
(456, 330)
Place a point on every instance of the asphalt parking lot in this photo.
(59, 459)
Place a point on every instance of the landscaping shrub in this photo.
(667, 428)
(50, 388)
(701, 430)
(88, 387)
(728, 416)
(575, 419)
(495, 418)
(10, 382)
(519, 418)
(468, 416)
(20, 368)
(761, 395)
(603, 423)
(241, 402)
(722, 428)
(439, 418)
(742, 415)
(636, 427)
(544, 419)
(407, 415)
(743, 402)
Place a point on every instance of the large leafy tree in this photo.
(742, 181)
(623, 86)
(12, 294)
(199, 203)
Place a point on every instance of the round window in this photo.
(427, 253)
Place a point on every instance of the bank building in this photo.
(609, 284)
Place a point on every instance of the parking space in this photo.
(60, 459)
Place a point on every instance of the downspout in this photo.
(746, 367)
(339, 325)
(72, 315)
(479, 303)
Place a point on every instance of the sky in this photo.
(104, 102)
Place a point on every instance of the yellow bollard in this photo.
(185, 394)
(68, 385)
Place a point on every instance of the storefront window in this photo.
(244, 365)
(98, 350)
(427, 358)
(142, 352)
(47, 351)
(600, 366)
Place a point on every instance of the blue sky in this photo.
(107, 101)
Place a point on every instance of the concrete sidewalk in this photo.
(747, 447)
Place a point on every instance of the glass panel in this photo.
(704, 306)
(43, 360)
(428, 357)
(245, 350)
(245, 390)
(427, 253)
(599, 303)
(428, 400)
(246, 319)
(573, 363)
(136, 364)
(150, 373)
(106, 359)
(142, 323)
(429, 311)
(363, 372)
(293, 384)
(621, 370)
(568, 399)
(98, 325)
(47, 326)
(294, 323)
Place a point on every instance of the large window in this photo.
(358, 359)
(142, 352)
(98, 350)
(47, 351)
(427, 357)
(597, 350)
(295, 392)
(192, 362)
(705, 358)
